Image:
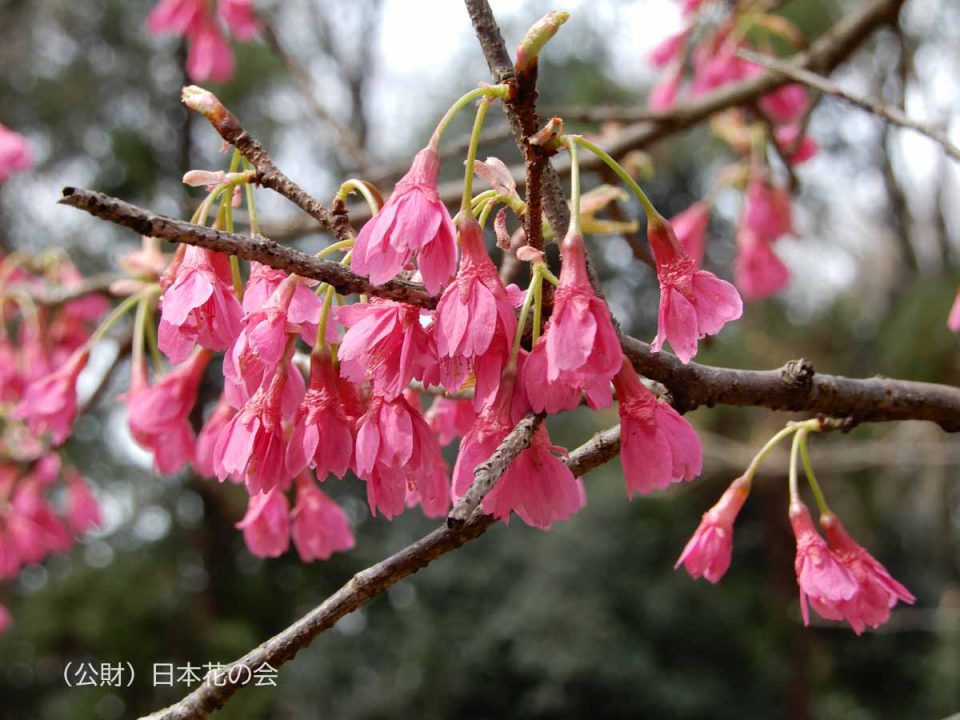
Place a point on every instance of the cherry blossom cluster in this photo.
(836, 576)
(44, 502)
(202, 22)
(702, 57)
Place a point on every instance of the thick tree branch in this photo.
(258, 248)
(367, 584)
(795, 387)
(886, 113)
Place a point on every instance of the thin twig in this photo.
(888, 114)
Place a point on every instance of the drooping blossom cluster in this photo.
(706, 52)
(44, 502)
(836, 576)
(202, 23)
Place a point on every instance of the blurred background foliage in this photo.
(588, 619)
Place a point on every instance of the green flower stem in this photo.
(335, 247)
(765, 450)
(465, 206)
(321, 343)
(794, 453)
(139, 332)
(151, 332)
(808, 469)
(487, 91)
(361, 187)
(529, 299)
(648, 208)
(537, 303)
(118, 312)
(251, 207)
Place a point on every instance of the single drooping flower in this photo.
(199, 305)
(251, 448)
(49, 404)
(398, 455)
(15, 153)
(159, 414)
(206, 443)
(693, 303)
(786, 105)
(36, 530)
(579, 350)
(319, 526)
(657, 446)
(708, 552)
(385, 343)
(757, 270)
(475, 320)
(878, 591)
(825, 584)
(266, 525)
(691, 229)
(767, 208)
(537, 485)
(450, 418)
(209, 57)
(83, 510)
(322, 436)
(413, 222)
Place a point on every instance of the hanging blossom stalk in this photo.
(694, 303)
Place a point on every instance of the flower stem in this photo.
(151, 332)
(575, 187)
(330, 249)
(361, 187)
(465, 206)
(765, 450)
(251, 207)
(487, 91)
(321, 343)
(648, 207)
(118, 312)
(808, 469)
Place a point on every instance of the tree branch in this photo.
(216, 690)
(794, 387)
(888, 114)
(259, 248)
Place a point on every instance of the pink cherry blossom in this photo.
(239, 16)
(668, 49)
(49, 404)
(266, 525)
(252, 447)
(15, 153)
(450, 418)
(579, 350)
(397, 452)
(322, 434)
(757, 270)
(413, 221)
(786, 105)
(657, 445)
(708, 552)
(385, 343)
(36, 530)
(159, 414)
(475, 319)
(209, 57)
(878, 591)
(767, 208)
(319, 526)
(83, 510)
(199, 306)
(693, 303)
(824, 582)
(691, 229)
(537, 485)
(209, 434)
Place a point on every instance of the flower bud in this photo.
(536, 37)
